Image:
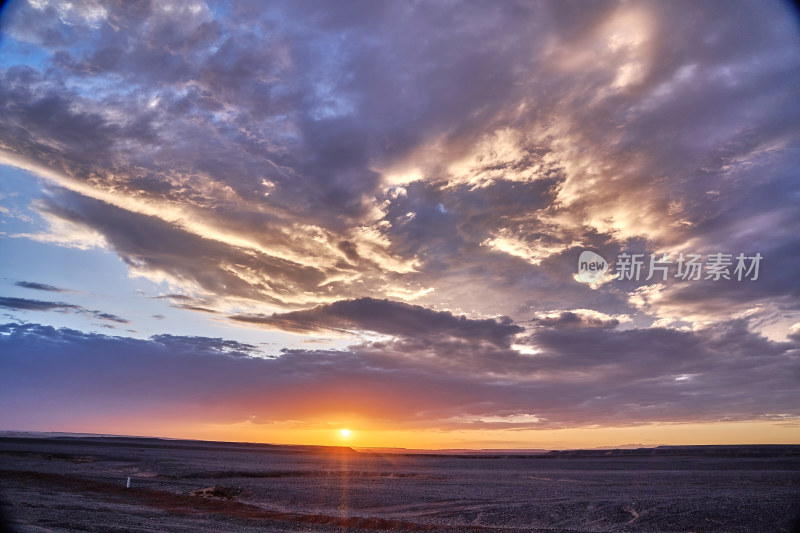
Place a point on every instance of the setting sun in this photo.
(344, 432)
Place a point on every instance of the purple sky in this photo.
(375, 209)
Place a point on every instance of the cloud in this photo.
(274, 161)
(189, 303)
(596, 376)
(578, 318)
(389, 318)
(38, 286)
(109, 317)
(25, 304)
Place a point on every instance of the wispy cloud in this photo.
(39, 286)
(33, 305)
(25, 304)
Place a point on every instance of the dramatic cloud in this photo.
(418, 179)
(301, 166)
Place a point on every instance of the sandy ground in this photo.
(80, 485)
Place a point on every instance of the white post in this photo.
(128, 485)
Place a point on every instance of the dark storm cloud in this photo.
(39, 286)
(582, 376)
(25, 304)
(390, 318)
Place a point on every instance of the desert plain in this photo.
(81, 484)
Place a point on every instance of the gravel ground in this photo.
(79, 485)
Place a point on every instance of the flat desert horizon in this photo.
(101, 483)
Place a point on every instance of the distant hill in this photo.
(727, 450)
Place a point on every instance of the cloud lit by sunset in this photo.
(360, 223)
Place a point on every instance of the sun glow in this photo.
(344, 433)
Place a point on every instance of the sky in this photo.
(475, 224)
